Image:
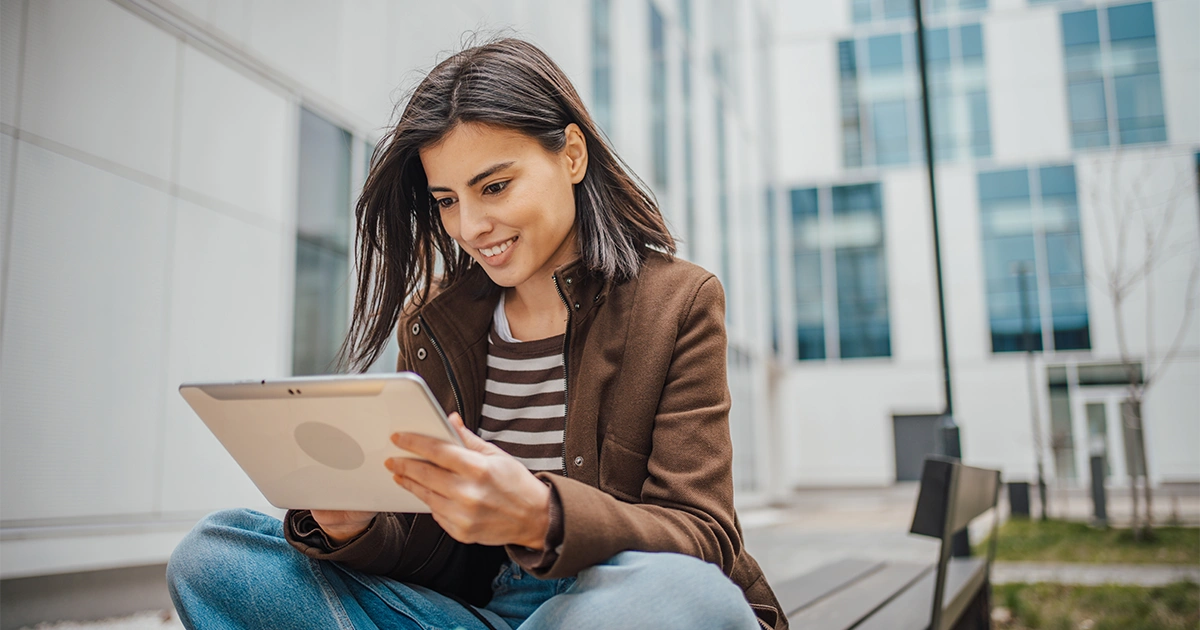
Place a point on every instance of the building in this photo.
(1062, 132)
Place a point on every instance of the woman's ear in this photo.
(575, 151)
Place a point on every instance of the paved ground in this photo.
(818, 526)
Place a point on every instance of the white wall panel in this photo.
(363, 77)
(11, 12)
(226, 311)
(83, 363)
(912, 289)
(1027, 100)
(992, 410)
(234, 135)
(806, 125)
(967, 323)
(844, 437)
(812, 18)
(1172, 422)
(1177, 22)
(101, 80)
(301, 38)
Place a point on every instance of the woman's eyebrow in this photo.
(478, 178)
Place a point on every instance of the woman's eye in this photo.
(494, 188)
(444, 202)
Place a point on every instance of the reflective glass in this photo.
(885, 53)
(1080, 28)
(937, 46)
(861, 271)
(972, 41)
(890, 132)
(806, 274)
(893, 9)
(1131, 21)
(1004, 185)
(1140, 109)
(1089, 119)
(981, 130)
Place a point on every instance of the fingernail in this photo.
(387, 463)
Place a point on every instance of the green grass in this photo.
(1062, 607)
(1024, 540)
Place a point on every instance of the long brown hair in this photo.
(508, 83)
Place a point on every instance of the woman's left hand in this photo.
(478, 494)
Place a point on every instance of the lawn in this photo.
(1111, 607)
(1025, 540)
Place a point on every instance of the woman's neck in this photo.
(535, 310)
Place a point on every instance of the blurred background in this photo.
(178, 181)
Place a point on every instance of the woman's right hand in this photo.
(341, 525)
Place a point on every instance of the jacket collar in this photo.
(468, 304)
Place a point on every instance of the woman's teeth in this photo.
(499, 249)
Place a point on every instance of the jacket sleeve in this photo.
(379, 550)
(687, 497)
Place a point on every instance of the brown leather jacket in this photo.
(647, 449)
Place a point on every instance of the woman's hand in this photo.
(478, 494)
(340, 525)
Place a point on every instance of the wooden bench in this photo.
(952, 593)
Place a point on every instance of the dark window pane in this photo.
(890, 131)
(846, 58)
(322, 302)
(806, 273)
(1057, 180)
(1140, 109)
(937, 45)
(1089, 119)
(862, 11)
(1080, 28)
(1004, 185)
(860, 197)
(323, 205)
(897, 9)
(861, 270)
(972, 41)
(885, 53)
(1131, 21)
(971, 5)
(981, 134)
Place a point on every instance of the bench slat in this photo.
(859, 600)
(800, 592)
(911, 609)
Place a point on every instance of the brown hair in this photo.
(508, 83)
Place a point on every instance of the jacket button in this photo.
(421, 354)
(578, 460)
(577, 306)
(568, 281)
(416, 329)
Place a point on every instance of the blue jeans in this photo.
(236, 570)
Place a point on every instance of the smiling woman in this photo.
(581, 363)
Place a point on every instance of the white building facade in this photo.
(178, 183)
(1064, 133)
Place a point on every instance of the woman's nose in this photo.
(473, 221)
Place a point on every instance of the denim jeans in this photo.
(236, 570)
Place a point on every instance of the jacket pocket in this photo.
(622, 470)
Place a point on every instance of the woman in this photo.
(583, 366)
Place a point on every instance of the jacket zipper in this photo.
(566, 381)
(458, 402)
(449, 372)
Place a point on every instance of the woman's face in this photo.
(507, 201)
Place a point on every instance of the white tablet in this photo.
(320, 442)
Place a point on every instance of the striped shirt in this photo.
(525, 399)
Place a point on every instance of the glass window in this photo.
(602, 64)
(885, 53)
(1114, 90)
(972, 41)
(937, 46)
(322, 300)
(890, 132)
(1024, 212)
(854, 224)
(806, 263)
(893, 9)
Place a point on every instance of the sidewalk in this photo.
(1093, 574)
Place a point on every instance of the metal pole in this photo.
(937, 245)
(948, 434)
(1023, 271)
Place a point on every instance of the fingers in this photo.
(427, 475)
(440, 452)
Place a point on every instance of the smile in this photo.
(499, 249)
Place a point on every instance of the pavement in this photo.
(812, 527)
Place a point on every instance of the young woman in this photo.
(582, 364)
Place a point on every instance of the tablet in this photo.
(320, 442)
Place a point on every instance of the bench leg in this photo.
(978, 615)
